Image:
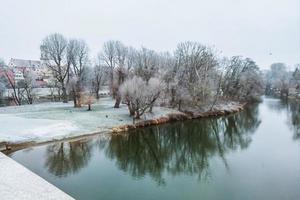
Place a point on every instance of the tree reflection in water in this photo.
(175, 148)
(292, 109)
(294, 115)
(67, 157)
(182, 147)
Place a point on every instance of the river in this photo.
(254, 154)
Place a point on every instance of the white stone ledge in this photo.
(19, 183)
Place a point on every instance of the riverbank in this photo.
(29, 125)
(217, 111)
(56, 121)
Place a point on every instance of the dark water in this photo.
(254, 154)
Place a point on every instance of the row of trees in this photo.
(281, 81)
(193, 77)
(68, 61)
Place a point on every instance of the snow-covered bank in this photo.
(54, 121)
(218, 110)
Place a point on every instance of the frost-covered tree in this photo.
(120, 71)
(146, 63)
(108, 56)
(296, 79)
(28, 84)
(114, 56)
(140, 95)
(78, 60)
(280, 78)
(195, 70)
(167, 73)
(17, 93)
(242, 79)
(54, 54)
(22, 90)
(98, 77)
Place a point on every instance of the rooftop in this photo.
(24, 63)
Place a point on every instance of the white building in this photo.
(19, 65)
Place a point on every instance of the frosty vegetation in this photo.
(280, 81)
(140, 95)
(192, 77)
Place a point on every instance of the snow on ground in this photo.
(48, 121)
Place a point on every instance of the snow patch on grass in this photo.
(49, 121)
(16, 129)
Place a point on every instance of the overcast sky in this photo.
(266, 30)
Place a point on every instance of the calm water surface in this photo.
(254, 154)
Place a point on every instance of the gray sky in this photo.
(252, 28)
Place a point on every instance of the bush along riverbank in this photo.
(217, 111)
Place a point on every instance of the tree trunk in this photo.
(137, 114)
(89, 107)
(64, 94)
(118, 101)
(74, 100)
(97, 95)
(151, 108)
(112, 84)
(179, 105)
(173, 97)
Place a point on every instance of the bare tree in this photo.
(55, 90)
(130, 60)
(114, 57)
(296, 79)
(77, 56)
(22, 90)
(54, 54)
(17, 91)
(242, 79)
(121, 71)
(167, 73)
(108, 56)
(280, 78)
(99, 72)
(28, 84)
(146, 64)
(196, 66)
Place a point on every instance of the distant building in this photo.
(18, 66)
(28, 64)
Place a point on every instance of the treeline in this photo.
(191, 77)
(280, 81)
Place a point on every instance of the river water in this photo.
(254, 154)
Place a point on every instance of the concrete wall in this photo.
(19, 183)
